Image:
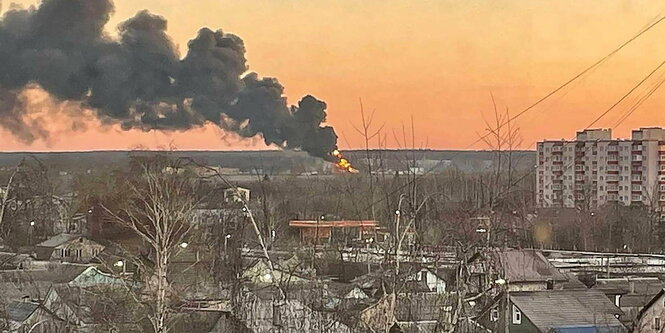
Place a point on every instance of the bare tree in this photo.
(159, 211)
(368, 134)
(5, 196)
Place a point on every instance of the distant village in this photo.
(170, 245)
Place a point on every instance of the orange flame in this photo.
(343, 164)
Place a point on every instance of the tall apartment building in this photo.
(595, 169)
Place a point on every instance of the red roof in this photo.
(334, 224)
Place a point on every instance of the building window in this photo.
(276, 315)
(494, 314)
(550, 284)
(656, 324)
(517, 315)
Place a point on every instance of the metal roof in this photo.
(58, 240)
(334, 224)
(58, 273)
(20, 311)
(630, 285)
(527, 266)
(567, 308)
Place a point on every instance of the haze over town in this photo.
(332, 166)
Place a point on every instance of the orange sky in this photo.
(434, 60)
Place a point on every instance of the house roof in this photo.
(419, 307)
(383, 278)
(648, 305)
(11, 259)
(10, 291)
(334, 224)
(566, 308)
(635, 301)
(640, 285)
(60, 273)
(20, 311)
(91, 304)
(58, 240)
(572, 282)
(526, 265)
(419, 327)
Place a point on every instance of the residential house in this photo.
(412, 278)
(198, 321)
(651, 319)
(94, 308)
(68, 248)
(34, 284)
(423, 312)
(522, 270)
(265, 310)
(30, 317)
(260, 273)
(630, 294)
(324, 231)
(236, 195)
(430, 278)
(560, 311)
(10, 260)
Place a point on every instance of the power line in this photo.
(569, 165)
(603, 59)
(639, 103)
(626, 95)
(530, 107)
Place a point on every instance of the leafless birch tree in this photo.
(159, 211)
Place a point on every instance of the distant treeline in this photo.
(275, 161)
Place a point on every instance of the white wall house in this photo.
(434, 282)
(68, 248)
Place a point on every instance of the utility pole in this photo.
(508, 311)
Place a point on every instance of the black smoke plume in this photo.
(139, 80)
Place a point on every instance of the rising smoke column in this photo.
(139, 80)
